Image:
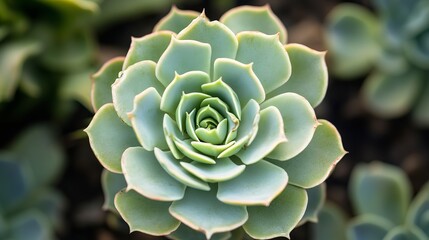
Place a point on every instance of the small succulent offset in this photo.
(381, 198)
(29, 206)
(393, 45)
(208, 126)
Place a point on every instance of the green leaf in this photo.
(109, 136)
(405, 233)
(316, 199)
(146, 118)
(299, 122)
(224, 92)
(270, 60)
(309, 74)
(392, 95)
(223, 170)
(149, 47)
(145, 215)
(331, 224)
(259, 184)
(241, 78)
(102, 82)
(211, 149)
(278, 219)
(185, 233)
(12, 59)
(372, 188)
(270, 135)
(352, 35)
(214, 136)
(222, 41)
(38, 148)
(15, 181)
(172, 132)
(368, 227)
(77, 86)
(182, 56)
(176, 20)
(418, 213)
(111, 183)
(185, 83)
(194, 209)
(313, 165)
(145, 175)
(30, 224)
(131, 83)
(420, 113)
(254, 18)
(188, 102)
(172, 166)
(186, 148)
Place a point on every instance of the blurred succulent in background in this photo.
(381, 198)
(393, 45)
(29, 206)
(209, 126)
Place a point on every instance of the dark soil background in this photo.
(365, 136)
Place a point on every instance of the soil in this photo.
(366, 137)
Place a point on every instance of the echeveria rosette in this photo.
(381, 199)
(393, 46)
(209, 126)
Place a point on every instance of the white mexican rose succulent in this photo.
(209, 127)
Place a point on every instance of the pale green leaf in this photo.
(194, 209)
(186, 149)
(280, 218)
(313, 165)
(224, 92)
(223, 170)
(176, 20)
(131, 83)
(420, 112)
(188, 102)
(368, 227)
(185, 233)
(109, 136)
(145, 215)
(331, 224)
(259, 184)
(172, 132)
(316, 199)
(405, 233)
(111, 183)
(299, 122)
(418, 212)
(211, 149)
(30, 224)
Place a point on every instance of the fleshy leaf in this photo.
(222, 41)
(149, 47)
(313, 165)
(223, 170)
(352, 40)
(187, 103)
(316, 199)
(405, 233)
(145, 175)
(392, 95)
(176, 20)
(309, 74)
(102, 81)
(186, 148)
(270, 60)
(185, 233)
(418, 213)
(270, 135)
(299, 121)
(213, 136)
(258, 185)
(368, 227)
(241, 78)
(146, 118)
(224, 92)
(278, 219)
(109, 136)
(172, 61)
(331, 224)
(420, 113)
(172, 132)
(185, 83)
(112, 183)
(372, 188)
(145, 215)
(211, 149)
(194, 209)
(172, 166)
(15, 181)
(254, 18)
(131, 83)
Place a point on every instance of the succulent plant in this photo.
(208, 126)
(381, 198)
(392, 44)
(29, 206)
